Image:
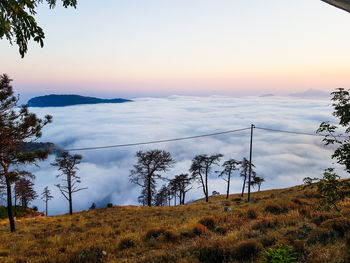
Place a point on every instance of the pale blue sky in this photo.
(162, 47)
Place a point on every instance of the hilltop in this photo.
(54, 100)
(219, 231)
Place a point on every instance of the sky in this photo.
(158, 48)
(282, 159)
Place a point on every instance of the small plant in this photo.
(92, 255)
(93, 206)
(252, 214)
(126, 243)
(340, 226)
(198, 229)
(247, 250)
(209, 222)
(109, 205)
(274, 209)
(330, 188)
(321, 235)
(281, 254)
(160, 234)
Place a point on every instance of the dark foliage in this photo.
(17, 22)
(17, 128)
(148, 168)
(201, 168)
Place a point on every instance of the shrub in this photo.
(198, 229)
(281, 254)
(299, 201)
(126, 243)
(109, 205)
(160, 234)
(265, 223)
(340, 226)
(321, 235)
(320, 217)
(211, 253)
(220, 230)
(299, 246)
(209, 222)
(252, 214)
(268, 240)
(35, 208)
(274, 209)
(247, 250)
(92, 255)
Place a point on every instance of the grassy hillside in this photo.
(219, 231)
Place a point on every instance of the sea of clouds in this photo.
(282, 159)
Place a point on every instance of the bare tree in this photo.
(67, 165)
(201, 168)
(244, 172)
(24, 191)
(147, 169)
(46, 196)
(257, 181)
(229, 167)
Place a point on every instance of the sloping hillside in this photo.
(219, 231)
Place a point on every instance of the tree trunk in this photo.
(46, 207)
(9, 202)
(69, 181)
(228, 185)
(206, 187)
(15, 202)
(149, 194)
(245, 178)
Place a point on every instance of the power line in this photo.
(299, 133)
(193, 137)
(154, 142)
(290, 132)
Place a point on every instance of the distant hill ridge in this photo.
(55, 100)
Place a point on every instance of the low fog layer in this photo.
(282, 159)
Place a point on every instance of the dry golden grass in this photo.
(175, 234)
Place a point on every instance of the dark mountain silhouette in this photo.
(69, 100)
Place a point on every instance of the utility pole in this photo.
(250, 159)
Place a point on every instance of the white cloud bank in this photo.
(283, 159)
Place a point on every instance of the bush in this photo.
(252, 214)
(162, 234)
(321, 235)
(126, 243)
(198, 229)
(247, 250)
(109, 205)
(220, 230)
(281, 254)
(265, 223)
(35, 208)
(274, 209)
(340, 226)
(320, 217)
(268, 240)
(211, 253)
(92, 255)
(208, 222)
